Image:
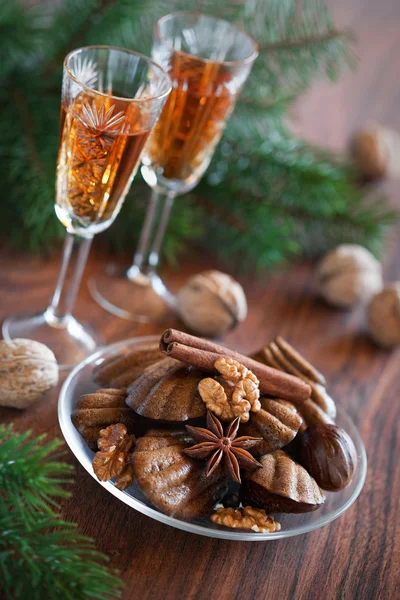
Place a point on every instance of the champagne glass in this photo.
(208, 60)
(111, 99)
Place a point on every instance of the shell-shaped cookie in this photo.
(281, 485)
(121, 370)
(174, 483)
(320, 408)
(323, 400)
(167, 392)
(277, 422)
(313, 414)
(101, 409)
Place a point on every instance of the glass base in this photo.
(132, 295)
(70, 341)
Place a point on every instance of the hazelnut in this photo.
(348, 275)
(211, 303)
(384, 316)
(27, 370)
(329, 455)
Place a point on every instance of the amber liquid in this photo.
(193, 118)
(100, 146)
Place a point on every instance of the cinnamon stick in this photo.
(203, 354)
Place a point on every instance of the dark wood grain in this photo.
(357, 556)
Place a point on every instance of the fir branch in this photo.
(28, 129)
(264, 188)
(42, 556)
(306, 41)
(79, 35)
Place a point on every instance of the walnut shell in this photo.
(27, 370)
(211, 303)
(329, 455)
(376, 151)
(348, 275)
(383, 316)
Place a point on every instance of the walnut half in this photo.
(236, 396)
(113, 458)
(255, 519)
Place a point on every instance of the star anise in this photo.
(214, 443)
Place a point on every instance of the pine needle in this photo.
(42, 556)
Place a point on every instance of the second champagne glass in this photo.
(111, 99)
(208, 60)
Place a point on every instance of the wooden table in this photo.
(357, 556)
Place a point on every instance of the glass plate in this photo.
(80, 382)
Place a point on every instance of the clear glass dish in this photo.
(80, 382)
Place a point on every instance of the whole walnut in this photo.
(376, 151)
(348, 275)
(211, 303)
(329, 455)
(27, 370)
(383, 316)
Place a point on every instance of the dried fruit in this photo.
(254, 519)
(329, 455)
(114, 454)
(222, 446)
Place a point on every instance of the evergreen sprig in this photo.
(266, 197)
(42, 556)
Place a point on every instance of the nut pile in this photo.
(235, 395)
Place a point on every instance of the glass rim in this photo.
(249, 59)
(123, 51)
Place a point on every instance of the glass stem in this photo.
(147, 255)
(75, 253)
